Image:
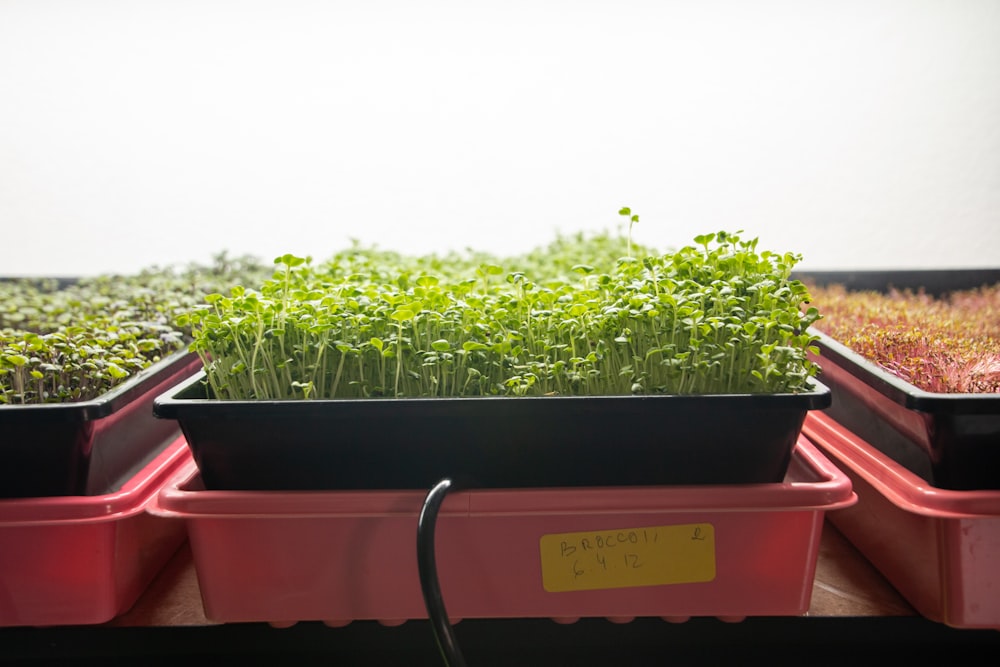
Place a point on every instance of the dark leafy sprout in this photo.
(67, 342)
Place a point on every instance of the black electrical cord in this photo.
(427, 568)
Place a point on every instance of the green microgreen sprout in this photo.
(566, 319)
(626, 212)
(65, 342)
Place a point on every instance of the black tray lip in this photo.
(107, 403)
(898, 390)
(172, 404)
(935, 281)
(60, 281)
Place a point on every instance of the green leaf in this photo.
(117, 372)
(16, 359)
(290, 260)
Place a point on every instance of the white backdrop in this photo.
(861, 134)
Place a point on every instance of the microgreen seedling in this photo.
(565, 319)
(64, 343)
(626, 212)
(941, 345)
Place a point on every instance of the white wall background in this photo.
(862, 134)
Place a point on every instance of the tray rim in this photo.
(903, 488)
(181, 497)
(897, 389)
(110, 401)
(130, 500)
(172, 405)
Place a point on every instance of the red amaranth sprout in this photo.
(941, 345)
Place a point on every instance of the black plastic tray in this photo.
(89, 447)
(933, 281)
(497, 442)
(950, 440)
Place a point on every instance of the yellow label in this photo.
(626, 557)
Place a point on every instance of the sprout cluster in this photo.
(577, 317)
(943, 345)
(63, 343)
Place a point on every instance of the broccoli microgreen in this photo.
(567, 319)
(626, 212)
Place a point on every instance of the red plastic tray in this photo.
(78, 560)
(729, 551)
(940, 548)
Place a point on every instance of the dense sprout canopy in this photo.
(948, 344)
(585, 315)
(65, 341)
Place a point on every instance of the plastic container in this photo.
(88, 447)
(498, 442)
(939, 548)
(729, 551)
(75, 560)
(952, 441)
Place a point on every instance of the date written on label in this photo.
(626, 557)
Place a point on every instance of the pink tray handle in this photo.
(902, 487)
(134, 496)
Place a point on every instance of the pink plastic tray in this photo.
(77, 560)
(939, 548)
(338, 556)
